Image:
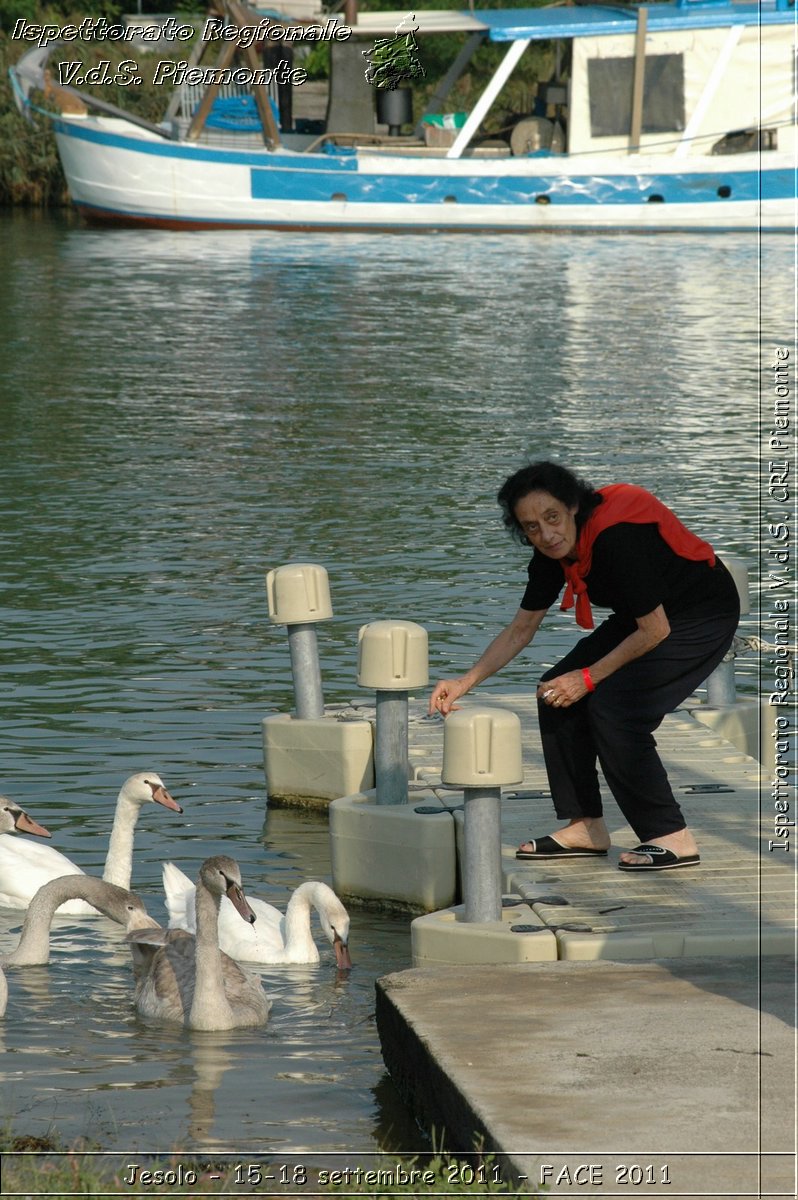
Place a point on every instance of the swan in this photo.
(13, 817)
(189, 979)
(275, 938)
(115, 902)
(26, 866)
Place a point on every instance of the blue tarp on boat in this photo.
(540, 24)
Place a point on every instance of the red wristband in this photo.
(589, 684)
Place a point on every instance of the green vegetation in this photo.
(30, 171)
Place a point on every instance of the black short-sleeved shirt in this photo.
(633, 571)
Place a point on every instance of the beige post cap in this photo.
(739, 573)
(392, 656)
(482, 748)
(297, 593)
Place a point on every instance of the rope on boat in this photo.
(741, 644)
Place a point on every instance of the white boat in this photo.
(671, 116)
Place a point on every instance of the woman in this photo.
(675, 609)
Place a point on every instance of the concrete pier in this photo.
(669, 1078)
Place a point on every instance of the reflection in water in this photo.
(180, 413)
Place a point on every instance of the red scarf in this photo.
(625, 503)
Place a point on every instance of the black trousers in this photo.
(614, 725)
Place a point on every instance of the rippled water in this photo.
(180, 413)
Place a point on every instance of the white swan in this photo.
(115, 902)
(274, 938)
(26, 866)
(12, 817)
(189, 979)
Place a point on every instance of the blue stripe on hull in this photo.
(686, 188)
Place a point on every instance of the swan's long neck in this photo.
(297, 916)
(119, 860)
(34, 942)
(210, 1001)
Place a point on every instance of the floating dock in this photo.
(739, 901)
(648, 1046)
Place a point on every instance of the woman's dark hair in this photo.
(549, 477)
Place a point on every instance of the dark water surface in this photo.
(181, 412)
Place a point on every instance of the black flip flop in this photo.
(548, 847)
(664, 859)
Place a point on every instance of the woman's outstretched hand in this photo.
(444, 695)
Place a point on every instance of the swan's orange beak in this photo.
(342, 959)
(26, 824)
(239, 902)
(161, 796)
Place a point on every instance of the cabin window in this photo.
(610, 81)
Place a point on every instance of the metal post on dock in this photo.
(392, 659)
(721, 687)
(481, 754)
(391, 762)
(299, 596)
(306, 672)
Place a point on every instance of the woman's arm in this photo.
(566, 689)
(504, 647)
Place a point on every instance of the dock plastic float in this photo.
(442, 938)
(310, 758)
(628, 947)
(313, 762)
(747, 724)
(394, 853)
(395, 842)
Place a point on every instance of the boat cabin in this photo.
(687, 78)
